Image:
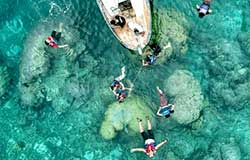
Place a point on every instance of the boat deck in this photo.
(141, 16)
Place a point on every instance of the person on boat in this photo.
(55, 37)
(118, 88)
(165, 108)
(150, 147)
(204, 8)
(118, 21)
(156, 50)
(136, 28)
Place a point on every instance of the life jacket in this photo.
(166, 111)
(152, 59)
(121, 93)
(204, 8)
(150, 147)
(52, 43)
(115, 83)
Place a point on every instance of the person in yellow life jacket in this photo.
(150, 147)
(53, 40)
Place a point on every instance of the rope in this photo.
(137, 75)
(144, 109)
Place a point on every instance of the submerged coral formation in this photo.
(123, 117)
(188, 96)
(170, 27)
(4, 80)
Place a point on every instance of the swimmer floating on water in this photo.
(118, 88)
(149, 140)
(204, 8)
(156, 50)
(165, 108)
(53, 40)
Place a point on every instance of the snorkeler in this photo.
(118, 88)
(204, 8)
(165, 108)
(53, 40)
(118, 21)
(156, 50)
(149, 140)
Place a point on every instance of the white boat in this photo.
(137, 15)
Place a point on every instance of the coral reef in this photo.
(188, 96)
(123, 116)
(4, 80)
(228, 74)
(170, 26)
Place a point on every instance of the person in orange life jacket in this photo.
(118, 88)
(53, 40)
(149, 140)
(204, 8)
(156, 50)
(165, 108)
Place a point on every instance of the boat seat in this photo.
(125, 5)
(126, 8)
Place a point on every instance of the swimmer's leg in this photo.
(53, 34)
(163, 100)
(149, 124)
(140, 125)
(60, 27)
(58, 36)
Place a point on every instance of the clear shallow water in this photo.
(59, 115)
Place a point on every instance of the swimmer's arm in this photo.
(158, 112)
(167, 46)
(138, 150)
(123, 75)
(197, 7)
(209, 11)
(144, 63)
(161, 144)
(114, 92)
(122, 85)
(172, 107)
(63, 46)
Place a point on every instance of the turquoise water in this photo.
(53, 102)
